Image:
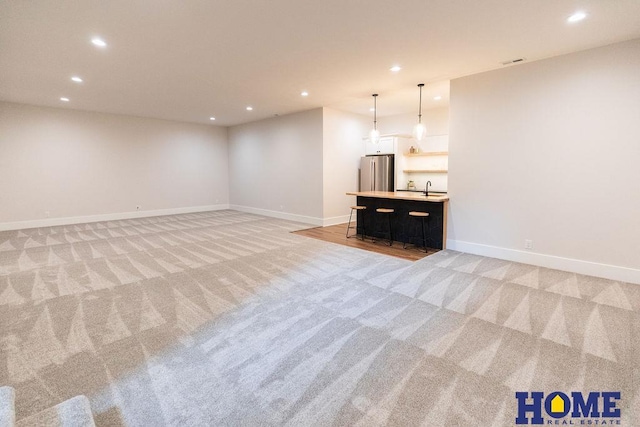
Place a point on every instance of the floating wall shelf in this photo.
(428, 153)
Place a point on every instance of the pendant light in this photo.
(374, 136)
(419, 130)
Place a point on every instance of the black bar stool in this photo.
(349, 226)
(388, 213)
(422, 216)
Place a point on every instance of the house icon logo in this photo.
(557, 405)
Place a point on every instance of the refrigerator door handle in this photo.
(373, 174)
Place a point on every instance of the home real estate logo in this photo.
(598, 408)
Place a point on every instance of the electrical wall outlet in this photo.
(47, 214)
(528, 244)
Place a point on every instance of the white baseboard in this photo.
(607, 271)
(49, 222)
(335, 220)
(280, 215)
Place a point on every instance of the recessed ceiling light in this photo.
(76, 79)
(63, 99)
(212, 118)
(305, 93)
(249, 108)
(578, 16)
(437, 98)
(98, 42)
(395, 68)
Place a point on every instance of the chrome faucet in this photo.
(426, 190)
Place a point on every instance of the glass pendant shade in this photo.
(374, 135)
(420, 130)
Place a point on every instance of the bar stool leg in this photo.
(374, 225)
(424, 237)
(404, 243)
(390, 234)
(349, 224)
(363, 232)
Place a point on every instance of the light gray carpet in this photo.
(7, 403)
(225, 318)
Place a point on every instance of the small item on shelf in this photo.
(412, 150)
(416, 150)
(411, 185)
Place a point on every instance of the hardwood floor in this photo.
(336, 234)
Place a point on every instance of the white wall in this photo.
(81, 164)
(342, 149)
(275, 166)
(549, 151)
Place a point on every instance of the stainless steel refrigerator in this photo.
(377, 173)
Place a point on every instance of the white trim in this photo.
(335, 220)
(49, 222)
(281, 215)
(607, 271)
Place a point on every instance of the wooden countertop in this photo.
(401, 195)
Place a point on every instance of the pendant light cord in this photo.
(375, 111)
(420, 107)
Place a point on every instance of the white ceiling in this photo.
(190, 59)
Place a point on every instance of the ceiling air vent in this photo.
(513, 61)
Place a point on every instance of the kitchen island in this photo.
(404, 228)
